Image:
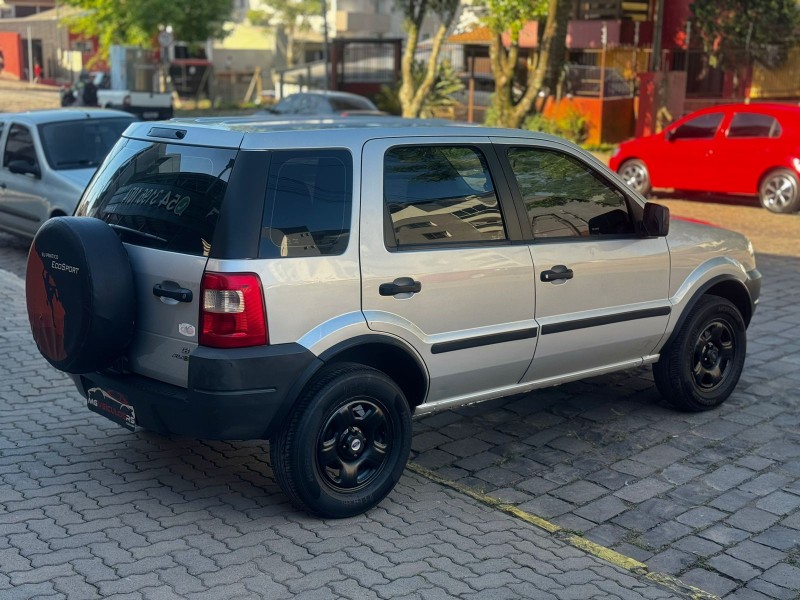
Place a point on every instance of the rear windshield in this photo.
(161, 195)
(80, 144)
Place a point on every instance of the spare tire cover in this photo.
(80, 294)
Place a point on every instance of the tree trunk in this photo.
(504, 62)
(553, 47)
(414, 107)
(406, 95)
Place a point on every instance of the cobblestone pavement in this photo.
(89, 510)
(714, 498)
(18, 96)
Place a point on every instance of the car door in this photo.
(749, 146)
(440, 268)
(601, 290)
(23, 202)
(687, 159)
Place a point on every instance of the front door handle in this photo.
(401, 285)
(172, 291)
(557, 273)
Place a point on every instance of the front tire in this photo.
(345, 444)
(702, 365)
(636, 176)
(779, 191)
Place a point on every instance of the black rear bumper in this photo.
(233, 394)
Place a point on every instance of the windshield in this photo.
(80, 144)
(339, 104)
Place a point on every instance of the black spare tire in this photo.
(80, 294)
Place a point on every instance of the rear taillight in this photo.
(232, 311)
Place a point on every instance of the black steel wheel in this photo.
(701, 366)
(346, 442)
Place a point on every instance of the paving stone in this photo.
(546, 506)
(784, 575)
(780, 538)
(671, 561)
(771, 590)
(698, 546)
(579, 492)
(727, 477)
(722, 534)
(664, 534)
(701, 517)
(602, 509)
(756, 554)
(779, 503)
(733, 568)
(752, 519)
(709, 581)
(643, 490)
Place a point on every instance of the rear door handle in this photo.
(401, 285)
(171, 290)
(557, 273)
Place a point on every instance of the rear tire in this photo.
(702, 365)
(345, 444)
(779, 191)
(636, 176)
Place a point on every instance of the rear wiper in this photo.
(137, 232)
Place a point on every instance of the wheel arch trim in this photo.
(701, 283)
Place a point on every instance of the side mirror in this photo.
(23, 167)
(669, 135)
(655, 221)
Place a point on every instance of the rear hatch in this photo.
(164, 200)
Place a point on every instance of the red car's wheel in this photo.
(779, 191)
(635, 174)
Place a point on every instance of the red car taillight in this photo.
(232, 311)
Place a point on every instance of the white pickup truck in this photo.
(147, 106)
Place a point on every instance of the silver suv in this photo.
(315, 283)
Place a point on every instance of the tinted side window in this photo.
(80, 144)
(747, 125)
(699, 128)
(19, 145)
(565, 198)
(437, 194)
(309, 204)
(160, 195)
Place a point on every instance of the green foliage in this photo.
(438, 100)
(738, 32)
(137, 23)
(511, 15)
(286, 13)
(572, 126)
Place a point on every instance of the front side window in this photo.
(753, 125)
(80, 144)
(308, 205)
(565, 198)
(440, 195)
(700, 128)
(161, 195)
(19, 146)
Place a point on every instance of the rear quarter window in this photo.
(161, 195)
(308, 205)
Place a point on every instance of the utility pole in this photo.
(325, 55)
(658, 25)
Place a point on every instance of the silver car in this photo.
(48, 157)
(316, 283)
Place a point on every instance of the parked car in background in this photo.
(325, 103)
(48, 157)
(751, 149)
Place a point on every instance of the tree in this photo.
(439, 100)
(137, 23)
(509, 108)
(737, 33)
(290, 16)
(413, 90)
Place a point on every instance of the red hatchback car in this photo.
(751, 149)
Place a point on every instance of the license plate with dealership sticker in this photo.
(111, 405)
